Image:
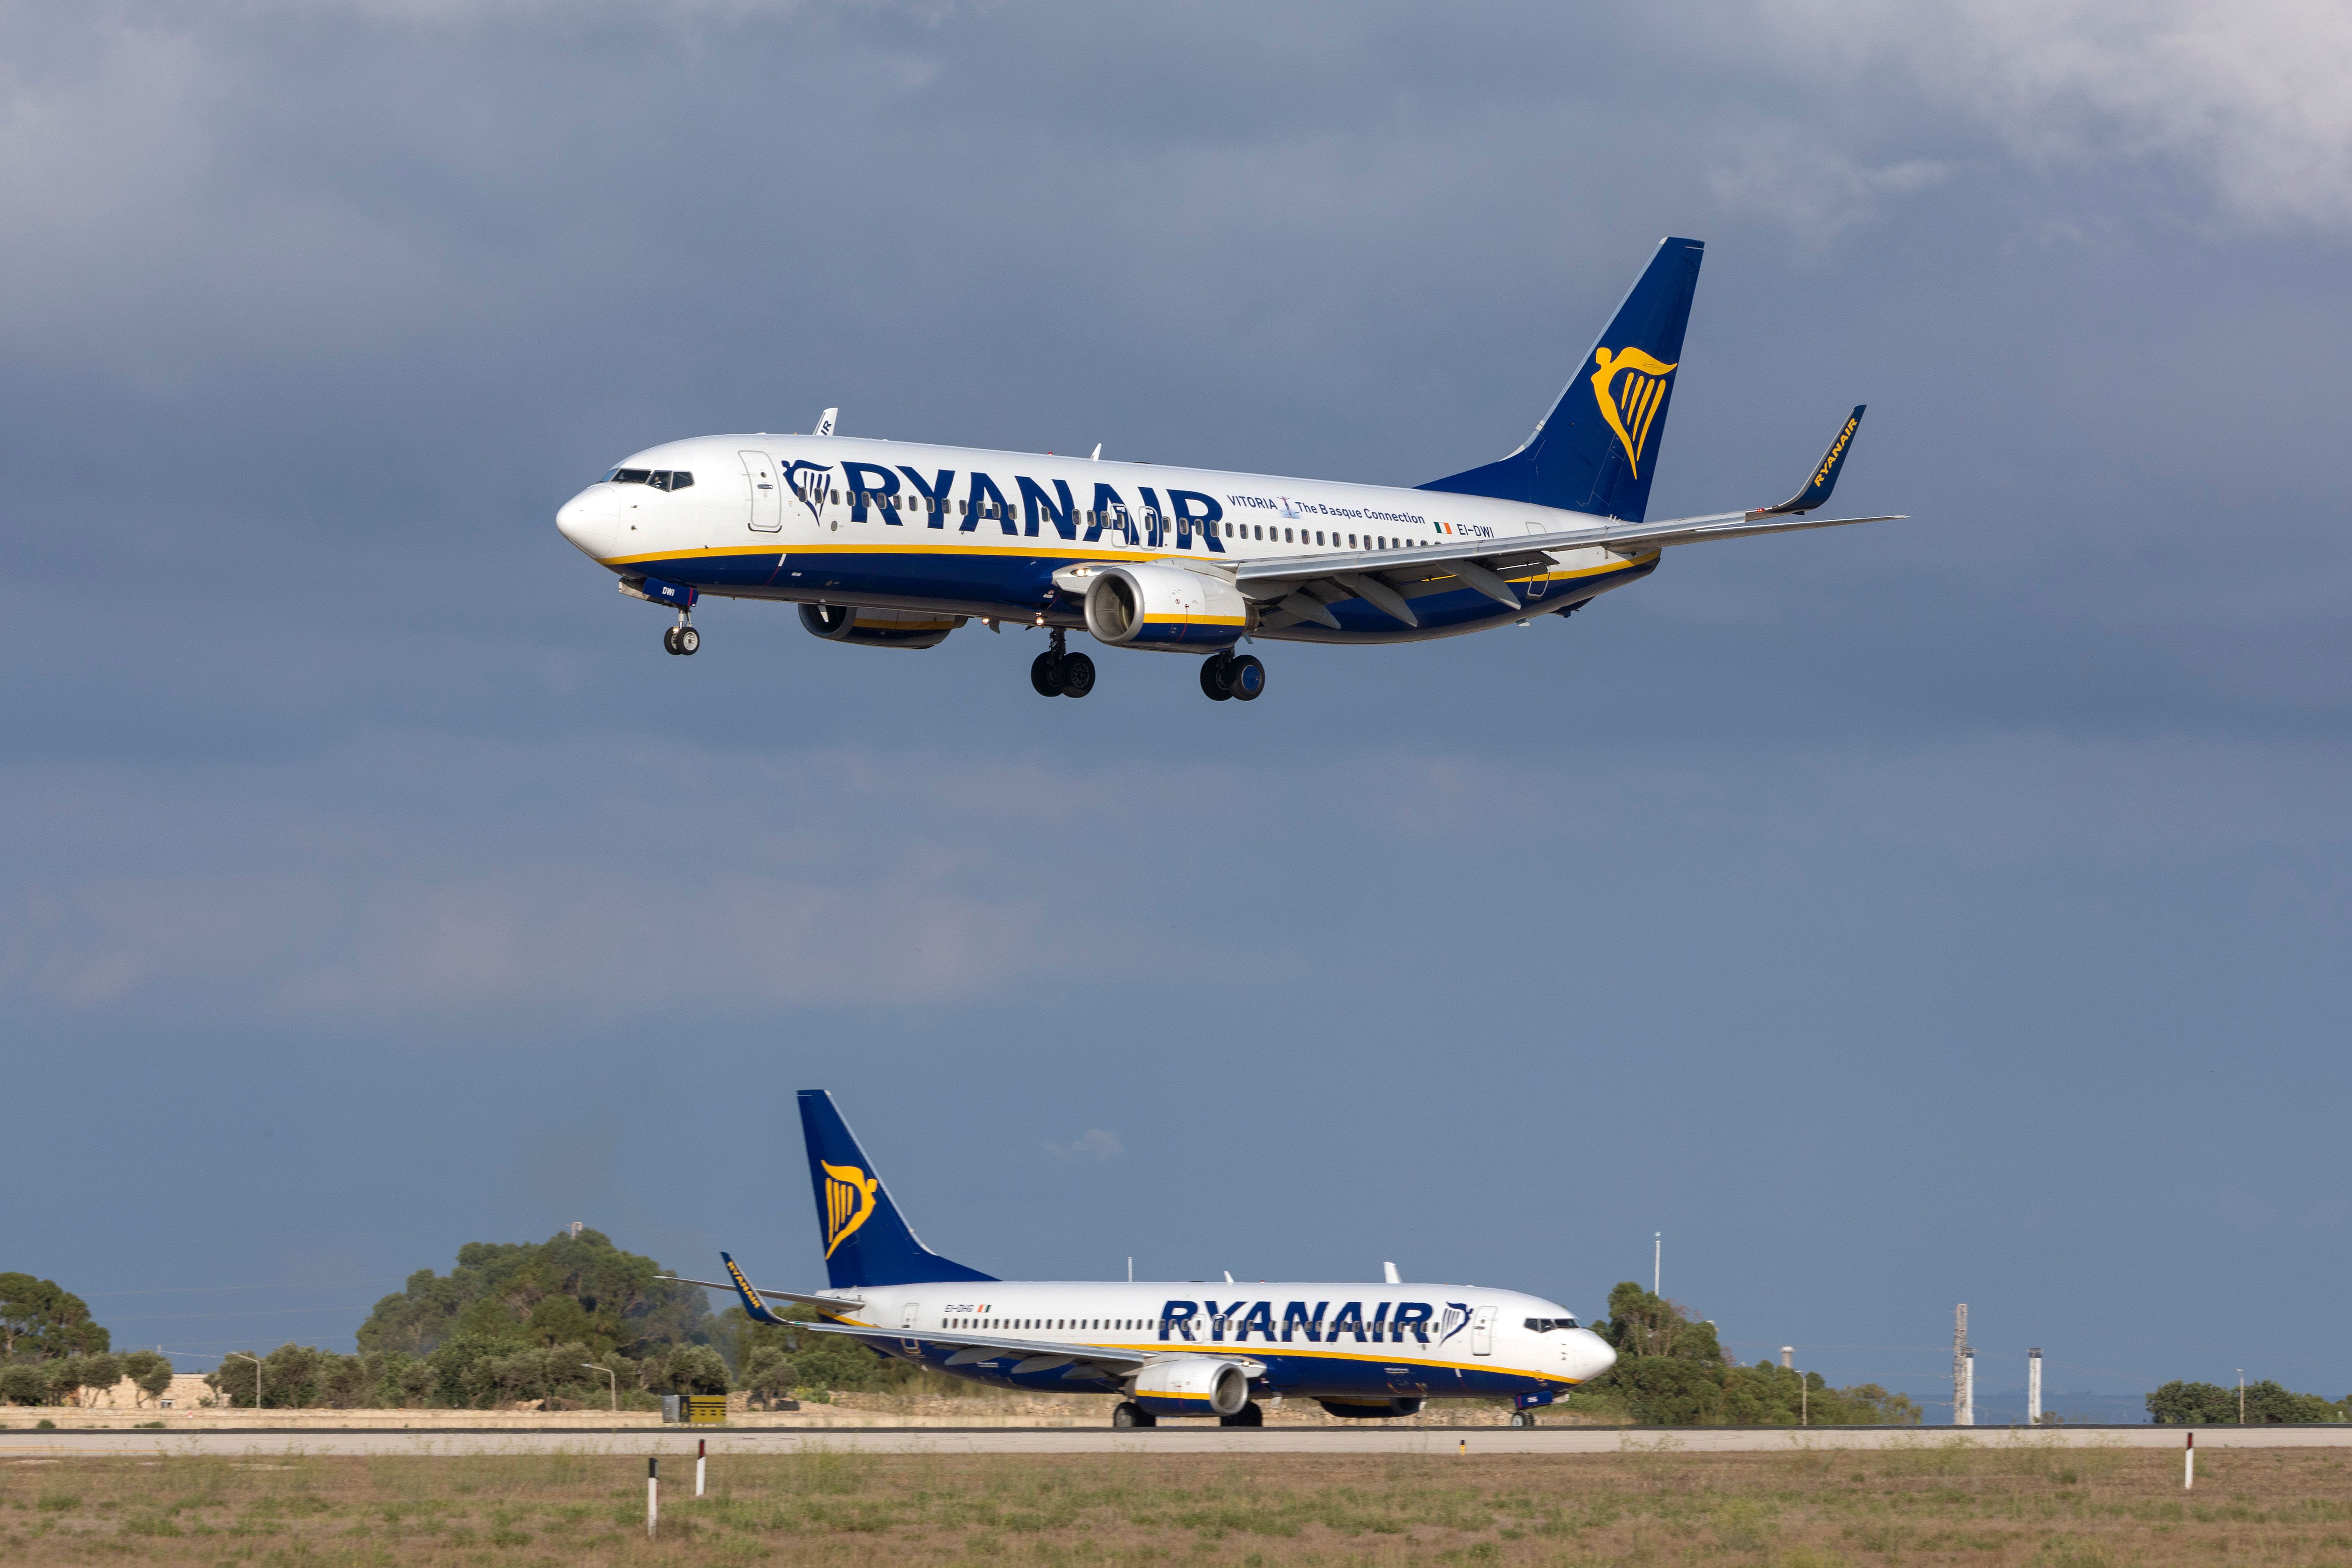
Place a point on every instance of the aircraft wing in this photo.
(1304, 586)
(823, 1303)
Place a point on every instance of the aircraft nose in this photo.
(1593, 1354)
(586, 520)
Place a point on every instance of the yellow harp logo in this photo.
(1629, 386)
(849, 1203)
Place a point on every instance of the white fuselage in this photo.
(968, 532)
(1348, 1342)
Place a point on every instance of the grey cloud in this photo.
(2251, 95)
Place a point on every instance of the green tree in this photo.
(2210, 1405)
(1671, 1372)
(40, 1320)
(24, 1383)
(696, 1369)
(69, 1375)
(564, 1289)
(148, 1371)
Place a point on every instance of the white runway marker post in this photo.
(652, 1495)
(2189, 1465)
(701, 1446)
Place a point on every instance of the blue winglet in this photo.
(753, 1305)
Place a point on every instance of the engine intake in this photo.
(1191, 1385)
(1166, 608)
(877, 628)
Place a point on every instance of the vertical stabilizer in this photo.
(865, 1240)
(1597, 448)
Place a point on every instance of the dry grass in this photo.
(1929, 1503)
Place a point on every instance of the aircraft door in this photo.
(911, 1318)
(1482, 1332)
(767, 494)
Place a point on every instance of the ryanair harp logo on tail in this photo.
(1629, 386)
(849, 1203)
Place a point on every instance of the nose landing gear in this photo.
(1057, 673)
(681, 638)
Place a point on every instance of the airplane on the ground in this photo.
(1197, 1347)
(891, 544)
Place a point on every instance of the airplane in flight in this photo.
(1199, 1348)
(895, 544)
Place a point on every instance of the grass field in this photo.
(1927, 1503)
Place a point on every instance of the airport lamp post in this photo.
(609, 1379)
(240, 1355)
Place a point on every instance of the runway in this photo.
(19, 1446)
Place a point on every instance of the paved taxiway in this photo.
(19, 1446)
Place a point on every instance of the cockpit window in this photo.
(631, 475)
(672, 478)
(1546, 1325)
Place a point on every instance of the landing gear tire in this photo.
(1217, 677)
(1247, 682)
(1523, 1417)
(1250, 1415)
(1078, 674)
(1127, 1413)
(1046, 674)
(669, 639)
(689, 639)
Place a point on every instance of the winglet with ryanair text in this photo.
(1825, 473)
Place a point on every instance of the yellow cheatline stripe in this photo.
(714, 552)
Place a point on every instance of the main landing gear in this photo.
(1057, 673)
(681, 638)
(1223, 676)
(1127, 1413)
(1250, 1415)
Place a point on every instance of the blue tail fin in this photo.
(1597, 448)
(865, 1242)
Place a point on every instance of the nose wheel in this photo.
(1224, 678)
(681, 638)
(1057, 673)
(1523, 1417)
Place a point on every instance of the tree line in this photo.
(574, 1322)
(1672, 1370)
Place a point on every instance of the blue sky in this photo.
(1952, 909)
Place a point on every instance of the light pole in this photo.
(2241, 1396)
(1657, 1259)
(609, 1378)
(240, 1355)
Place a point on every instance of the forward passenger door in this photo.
(1482, 1332)
(767, 497)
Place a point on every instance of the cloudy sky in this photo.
(1953, 909)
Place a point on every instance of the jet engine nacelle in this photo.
(1191, 1385)
(1166, 608)
(877, 628)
